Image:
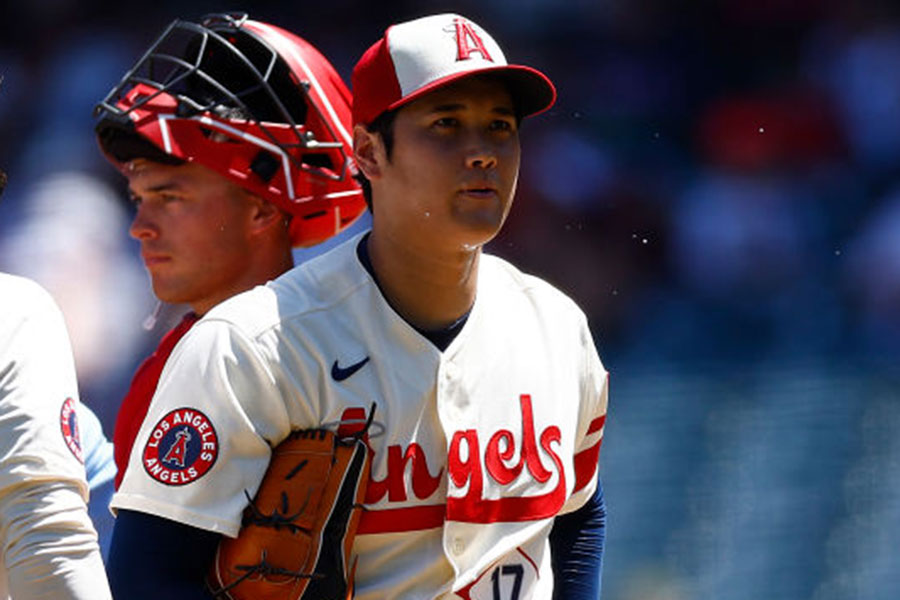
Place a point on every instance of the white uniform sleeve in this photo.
(203, 449)
(48, 544)
(592, 420)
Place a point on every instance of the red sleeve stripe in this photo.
(596, 424)
(586, 460)
(586, 465)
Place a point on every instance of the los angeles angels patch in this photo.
(68, 423)
(182, 448)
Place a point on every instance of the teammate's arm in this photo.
(151, 558)
(48, 547)
(576, 550)
(47, 544)
(100, 469)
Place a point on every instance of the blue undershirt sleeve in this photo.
(151, 558)
(576, 550)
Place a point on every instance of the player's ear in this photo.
(263, 214)
(368, 151)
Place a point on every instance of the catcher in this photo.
(234, 138)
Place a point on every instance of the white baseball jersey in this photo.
(48, 544)
(476, 448)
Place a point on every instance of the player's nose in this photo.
(142, 226)
(482, 155)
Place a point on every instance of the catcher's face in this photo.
(453, 170)
(196, 230)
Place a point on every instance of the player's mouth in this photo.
(152, 259)
(479, 190)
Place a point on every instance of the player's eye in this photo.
(445, 123)
(134, 199)
(502, 125)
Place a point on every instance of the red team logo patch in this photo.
(68, 422)
(182, 447)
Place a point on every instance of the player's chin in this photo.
(168, 290)
(482, 214)
(474, 233)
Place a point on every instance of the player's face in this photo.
(193, 226)
(454, 166)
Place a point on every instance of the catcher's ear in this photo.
(264, 214)
(368, 150)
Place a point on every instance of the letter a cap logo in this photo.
(416, 57)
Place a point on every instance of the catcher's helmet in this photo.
(253, 102)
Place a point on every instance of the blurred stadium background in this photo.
(718, 187)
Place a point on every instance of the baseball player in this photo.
(229, 163)
(491, 399)
(47, 542)
(234, 136)
(97, 456)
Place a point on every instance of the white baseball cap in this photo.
(416, 57)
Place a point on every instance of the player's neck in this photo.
(430, 290)
(259, 272)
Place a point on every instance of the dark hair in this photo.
(383, 125)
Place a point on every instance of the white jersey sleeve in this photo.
(48, 544)
(591, 421)
(206, 441)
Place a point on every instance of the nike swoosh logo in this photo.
(339, 373)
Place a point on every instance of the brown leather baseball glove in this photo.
(297, 533)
